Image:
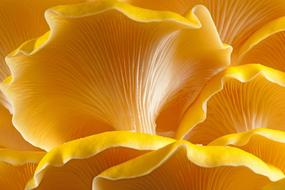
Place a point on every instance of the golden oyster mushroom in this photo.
(155, 163)
(239, 99)
(242, 107)
(83, 78)
(253, 28)
(107, 65)
(20, 21)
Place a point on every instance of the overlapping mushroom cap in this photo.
(90, 95)
(95, 79)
